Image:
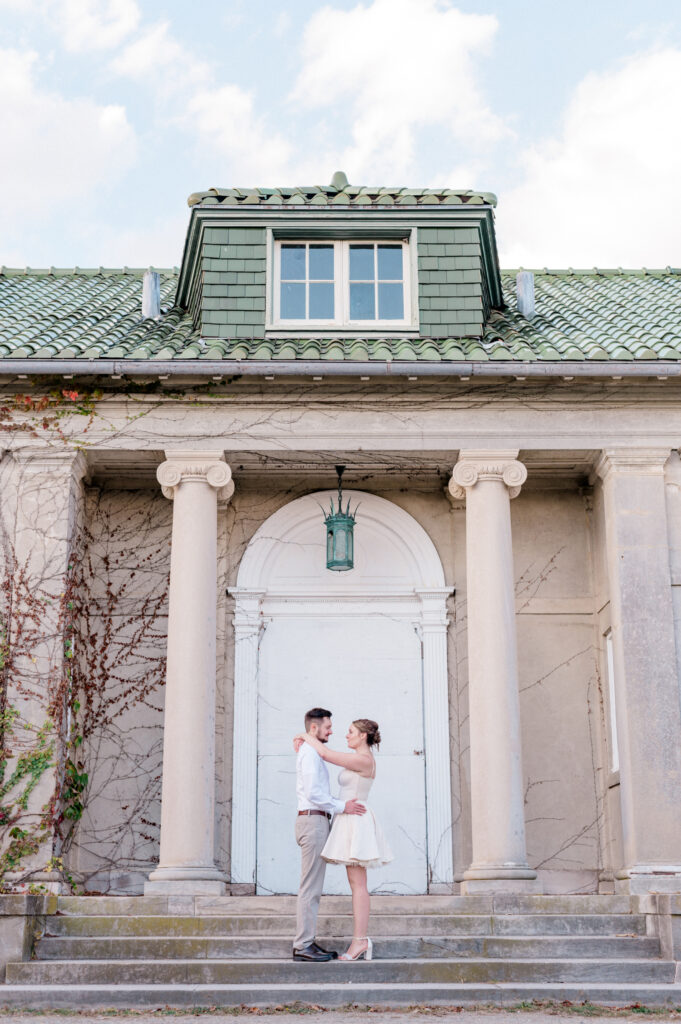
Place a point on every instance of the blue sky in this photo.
(114, 111)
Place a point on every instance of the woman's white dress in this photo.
(356, 839)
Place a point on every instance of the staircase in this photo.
(451, 950)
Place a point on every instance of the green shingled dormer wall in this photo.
(232, 302)
(451, 301)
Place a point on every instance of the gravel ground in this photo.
(543, 1015)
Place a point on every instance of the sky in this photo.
(113, 111)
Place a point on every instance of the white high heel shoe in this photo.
(366, 953)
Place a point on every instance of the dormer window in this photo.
(343, 284)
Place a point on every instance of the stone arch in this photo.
(398, 575)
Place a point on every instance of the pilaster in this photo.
(248, 625)
(647, 697)
(41, 509)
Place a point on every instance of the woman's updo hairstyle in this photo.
(371, 729)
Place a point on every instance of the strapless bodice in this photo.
(354, 786)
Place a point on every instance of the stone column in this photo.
(489, 479)
(187, 859)
(647, 696)
(41, 504)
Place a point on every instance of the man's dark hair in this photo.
(315, 715)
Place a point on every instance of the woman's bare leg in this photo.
(357, 877)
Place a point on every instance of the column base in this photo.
(186, 881)
(499, 878)
(642, 879)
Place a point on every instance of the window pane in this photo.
(390, 263)
(362, 302)
(293, 262)
(390, 302)
(321, 302)
(292, 301)
(361, 263)
(321, 263)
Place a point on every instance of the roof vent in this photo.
(151, 294)
(524, 287)
(339, 181)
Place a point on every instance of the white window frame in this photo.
(341, 261)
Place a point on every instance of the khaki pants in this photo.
(312, 831)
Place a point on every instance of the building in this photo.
(513, 618)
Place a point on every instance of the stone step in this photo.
(228, 905)
(382, 924)
(397, 947)
(261, 971)
(500, 994)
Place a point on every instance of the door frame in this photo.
(424, 605)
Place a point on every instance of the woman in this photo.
(356, 840)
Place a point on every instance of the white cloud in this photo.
(157, 55)
(605, 190)
(57, 149)
(400, 66)
(229, 132)
(157, 242)
(93, 24)
(225, 119)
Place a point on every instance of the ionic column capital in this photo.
(473, 466)
(207, 467)
(630, 461)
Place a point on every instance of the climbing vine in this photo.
(78, 652)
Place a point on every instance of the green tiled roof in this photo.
(89, 314)
(580, 315)
(349, 195)
(591, 314)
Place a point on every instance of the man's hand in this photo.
(354, 807)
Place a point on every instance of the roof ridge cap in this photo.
(596, 271)
(79, 271)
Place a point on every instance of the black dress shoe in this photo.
(312, 954)
(331, 952)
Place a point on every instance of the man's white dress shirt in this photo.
(312, 783)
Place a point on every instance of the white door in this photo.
(357, 666)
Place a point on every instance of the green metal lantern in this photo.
(340, 545)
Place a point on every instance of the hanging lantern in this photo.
(339, 532)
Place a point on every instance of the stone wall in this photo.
(571, 820)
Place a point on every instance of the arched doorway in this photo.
(369, 642)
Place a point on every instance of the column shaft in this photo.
(187, 856)
(497, 805)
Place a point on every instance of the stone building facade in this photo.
(513, 617)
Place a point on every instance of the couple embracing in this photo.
(355, 839)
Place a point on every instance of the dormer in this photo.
(340, 261)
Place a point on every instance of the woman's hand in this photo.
(298, 742)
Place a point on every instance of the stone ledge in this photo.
(20, 904)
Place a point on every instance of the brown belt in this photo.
(326, 815)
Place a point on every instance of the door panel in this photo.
(362, 666)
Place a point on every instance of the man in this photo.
(315, 807)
